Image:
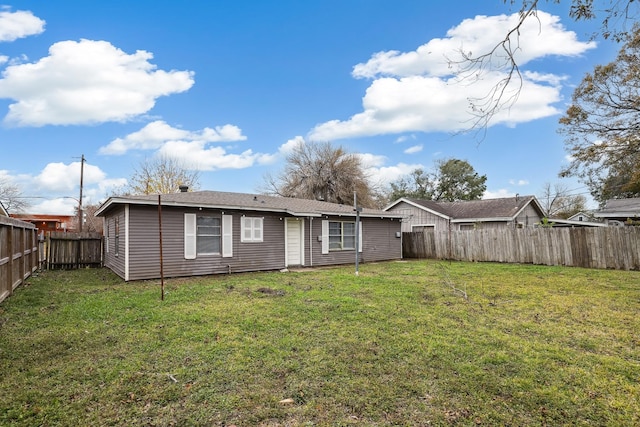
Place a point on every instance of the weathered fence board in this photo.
(18, 253)
(611, 247)
(73, 250)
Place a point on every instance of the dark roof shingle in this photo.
(246, 201)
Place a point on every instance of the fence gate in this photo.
(73, 250)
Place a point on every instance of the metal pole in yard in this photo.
(357, 209)
(160, 236)
(80, 216)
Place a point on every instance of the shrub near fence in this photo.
(18, 253)
(603, 247)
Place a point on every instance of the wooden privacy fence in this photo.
(18, 253)
(73, 250)
(602, 247)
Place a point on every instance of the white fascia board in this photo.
(417, 206)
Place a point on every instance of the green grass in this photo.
(403, 344)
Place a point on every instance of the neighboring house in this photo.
(208, 232)
(620, 212)
(561, 222)
(46, 223)
(513, 212)
(581, 216)
(3, 210)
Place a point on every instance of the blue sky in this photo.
(228, 86)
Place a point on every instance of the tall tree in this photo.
(457, 180)
(11, 196)
(558, 202)
(320, 171)
(416, 185)
(613, 17)
(452, 180)
(162, 175)
(602, 127)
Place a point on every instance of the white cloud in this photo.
(404, 138)
(418, 91)
(414, 149)
(57, 206)
(384, 175)
(155, 134)
(196, 155)
(498, 194)
(60, 177)
(519, 182)
(537, 38)
(288, 146)
(19, 24)
(86, 82)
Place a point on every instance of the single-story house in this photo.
(208, 232)
(620, 212)
(581, 216)
(513, 212)
(573, 223)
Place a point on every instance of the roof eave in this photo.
(317, 214)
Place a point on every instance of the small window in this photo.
(251, 229)
(342, 235)
(208, 233)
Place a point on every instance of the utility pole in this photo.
(80, 213)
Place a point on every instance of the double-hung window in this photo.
(208, 235)
(342, 235)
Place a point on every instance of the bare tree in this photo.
(558, 202)
(320, 171)
(11, 196)
(162, 175)
(612, 14)
(91, 222)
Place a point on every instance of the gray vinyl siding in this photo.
(529, 216)
(144, 249)
(379, 242)
(413, 216)
(111, 260)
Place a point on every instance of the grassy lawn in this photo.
(403, 344)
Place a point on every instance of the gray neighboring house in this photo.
(209, 232)
(618, 212)
(513, 212)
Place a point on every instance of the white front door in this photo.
(294, 243)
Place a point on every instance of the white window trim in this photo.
(190, 236)
(256, 224)
(325, 237)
